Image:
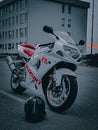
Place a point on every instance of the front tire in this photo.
(60, 98)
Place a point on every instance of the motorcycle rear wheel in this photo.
(60, 98)
(15, 82)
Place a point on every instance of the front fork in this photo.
(52, 79)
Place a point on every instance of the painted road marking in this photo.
(16, 98)
(12, 96)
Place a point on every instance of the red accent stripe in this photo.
(28, 46)
(28, 52)
(32, 75)
(95, 46)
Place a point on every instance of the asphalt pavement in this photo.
(83, 115)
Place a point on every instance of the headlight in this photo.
(71, 52)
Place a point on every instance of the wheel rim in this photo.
(59, 94)
(15, 81)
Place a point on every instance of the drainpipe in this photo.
(92, 31)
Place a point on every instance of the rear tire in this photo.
(61, 98)
(14, 81)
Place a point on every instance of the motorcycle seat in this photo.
(50, 45)
(27, 46)
(28, 52)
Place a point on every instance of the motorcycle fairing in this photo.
(63, 71)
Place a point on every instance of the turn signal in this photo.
(44, 60)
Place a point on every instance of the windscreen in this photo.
(65, 37)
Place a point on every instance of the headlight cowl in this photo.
(71, 52)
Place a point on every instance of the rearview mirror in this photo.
(48, 29)
(81, 42)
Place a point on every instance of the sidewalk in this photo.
(11, 113)
(89, 60)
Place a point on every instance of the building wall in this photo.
(89, 28)
(42, 13)
(60, 16)
(95, 28)
(32, 16)
(79, 26)
(13, 26)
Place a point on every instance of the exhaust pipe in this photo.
(10, 63)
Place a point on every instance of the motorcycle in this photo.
(48, 69)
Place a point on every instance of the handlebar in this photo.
(50, 45)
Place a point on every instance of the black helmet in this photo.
(34, 109)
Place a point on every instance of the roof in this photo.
(72, 2)
(75, 3)
(5, 2)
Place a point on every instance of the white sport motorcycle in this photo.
(48, 69)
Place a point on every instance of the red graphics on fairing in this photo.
(44, 60)
(28, 46)
(25, 50)
(32, 75)
(28, 52)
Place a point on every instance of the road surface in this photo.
(83, 115)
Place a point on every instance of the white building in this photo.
(93, 35)
(23, 21)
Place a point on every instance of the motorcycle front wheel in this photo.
(15, 81)
(60, 98)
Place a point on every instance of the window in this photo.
(9, 34)
(1, 12)
(6, 10)
(16, 33)
(12, 33)
(13, 20)
(69, 23)
(25, 3)
(69, 33)
(0, 36)
(16, 46)
(21, 18)
(13, 6)
(10, 7)
(25, 32)
(5, 46)
(17, 5)
(1, 24)
(2, 46)
(63, 8)
(10, 21)
(5, 35)
(9, 46)
(21, 32)
(16, 19)
(69, 9)
(26, 17)
(21, 4)
(12, 45)
(6, 22)
(63, 22)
